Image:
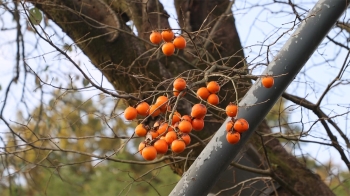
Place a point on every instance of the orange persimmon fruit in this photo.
(213, 87)
(197, 124)
(154, 110)
(198, 111)
(179, 84)
(176, 117)
(149, 153)
(155, 37)
(162, 102)
(267, 81)
(213, 99)
(233, 138)
(231, 110)
(153, 133)
(141, 130)
(143, 108)
(167, 35)
(177, 93)
(130, 113)
(179, 42)
(142, 145)
(168, 49)
(187, 117)
(161, 146)
(241, 125)
(186, 138)
(164, 128)
(185, 126)
(170, 137)
(203, 93)
(229, 126)
(178, 146)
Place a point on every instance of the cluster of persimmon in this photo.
(175, 136)
(174, 133)
(209, 93)
(235, 127)
(168, 48)
(162, 135)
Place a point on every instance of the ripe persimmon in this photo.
(142, 145)
(198, 111)
(178, 146)
(130, 113)
(143, 108)
(186, 138)
(213, 99)
(187, 117)
(153, 133)
(267, 81)
(179, 42)
(161, 101)
(203, 93)
(165, 109)
(155, 37)
(233, 138)
(185, 126)
(231, 110)
(168, 35)
(170, 137)
(177, 93)
(229, 126)
(179, 84)
(168, 49)
(161, 146)
(197, 124)
(213, 87)
(164, 128)
(149, 153)
(154, 110)
(241, 125)
(176, 117)
(141, 130)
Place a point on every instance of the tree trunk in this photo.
(132, 65)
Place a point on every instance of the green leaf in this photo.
(35, 16)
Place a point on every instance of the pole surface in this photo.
(258, 101)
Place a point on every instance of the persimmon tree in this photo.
(121, 39)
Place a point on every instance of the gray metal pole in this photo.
(258, 101)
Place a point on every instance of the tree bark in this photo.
(213, 37)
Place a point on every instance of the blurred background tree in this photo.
(74, 125)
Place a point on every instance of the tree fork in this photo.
(218, 154)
